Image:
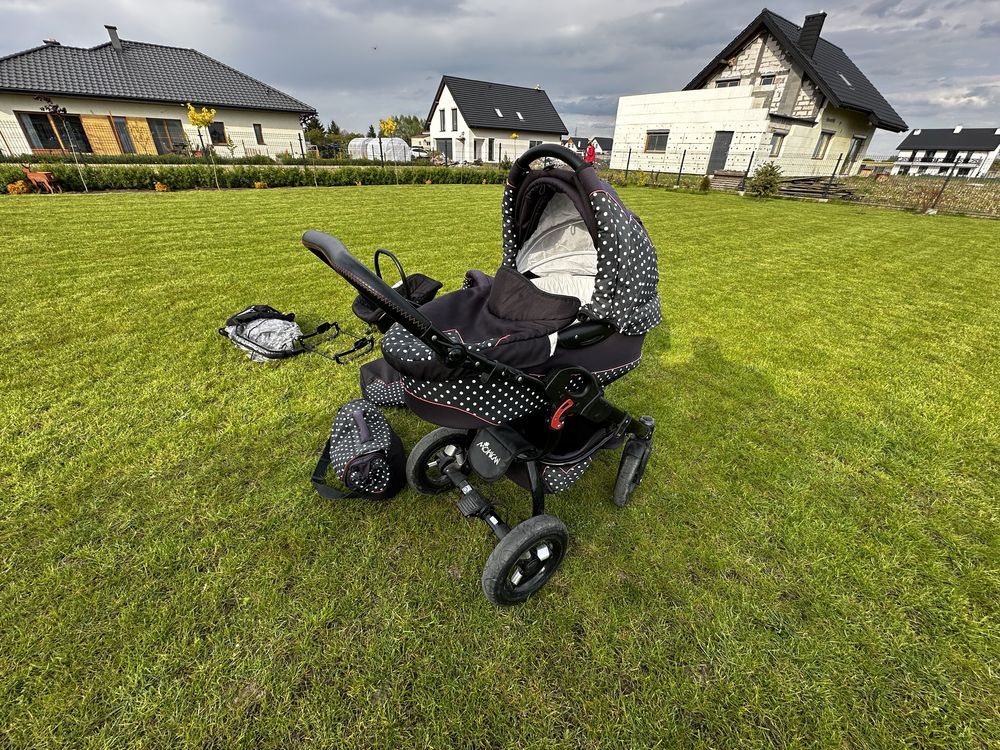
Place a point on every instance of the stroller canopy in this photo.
(572, 232)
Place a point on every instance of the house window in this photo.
(54, 132)
(857, 144)
(725, 83)
(454, 119)
(903, 170)
(39, 131)
(441, 120)
(776, 140)
(489, 149)
(767, 80)
(443, 145)
(124, 137)
(532, 144)
(168, 135)
(71, 133)
(822, 144)
(497, 110)
(656, 141)
(258, 132)
(217, 132)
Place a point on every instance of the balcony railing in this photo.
(971, 161)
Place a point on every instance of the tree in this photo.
(371, 131)
(334, 128)
(408, 127)
(766, 180)
(312, 123)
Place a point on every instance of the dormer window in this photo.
(519, 116)
(497, 110)
(844, 79)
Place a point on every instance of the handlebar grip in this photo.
(331, 251)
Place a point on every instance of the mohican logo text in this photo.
(484, 446)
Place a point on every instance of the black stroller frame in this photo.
(528, 554)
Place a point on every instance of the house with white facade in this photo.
(777, 92)
(125, 97)
(473, 120)
(958, 152)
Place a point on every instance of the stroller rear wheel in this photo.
(423, 470)
(525, 559)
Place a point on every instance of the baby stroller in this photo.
(513, 368)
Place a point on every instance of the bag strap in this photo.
(319, 476)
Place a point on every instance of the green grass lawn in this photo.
(812, 561)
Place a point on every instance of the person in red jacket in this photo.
(589, 156)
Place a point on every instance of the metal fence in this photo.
(943, 187)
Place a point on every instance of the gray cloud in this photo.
(357, 60)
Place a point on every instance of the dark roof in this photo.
(140, 71)
(604, 143)
(946, 139)
(827, 68)
(478, 99)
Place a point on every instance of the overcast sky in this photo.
(937, 63)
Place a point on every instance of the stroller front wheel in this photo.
(423, 471)
(525, 559)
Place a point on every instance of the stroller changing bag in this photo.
(365, 453)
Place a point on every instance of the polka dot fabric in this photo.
(627, 277)
(363, 451)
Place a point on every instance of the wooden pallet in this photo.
(815, 188)
(728, 180)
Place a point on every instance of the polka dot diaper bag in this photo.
(364, 453)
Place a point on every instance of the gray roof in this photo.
(946, 139)
(605, 143)
(140, 71)
(478, 100)
(828, 66)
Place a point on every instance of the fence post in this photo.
(937, 197)
(743, 181)
(829, 183)
(628, 161)
(302, 146)
(680, 170)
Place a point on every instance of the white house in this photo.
(125, 97)
(959, 152)
(477, 120)
(778, 92)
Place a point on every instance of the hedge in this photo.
(191, 176)
(174, 159)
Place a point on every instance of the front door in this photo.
(720, 151)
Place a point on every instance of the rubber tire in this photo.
(527, 534)
(629, 474)
(424, 450)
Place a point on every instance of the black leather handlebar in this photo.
(331, 251)
(551, 151)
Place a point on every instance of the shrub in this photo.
(706, 184)
(766, 180)
(260, 185)
(19, 187)
(160, 187)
